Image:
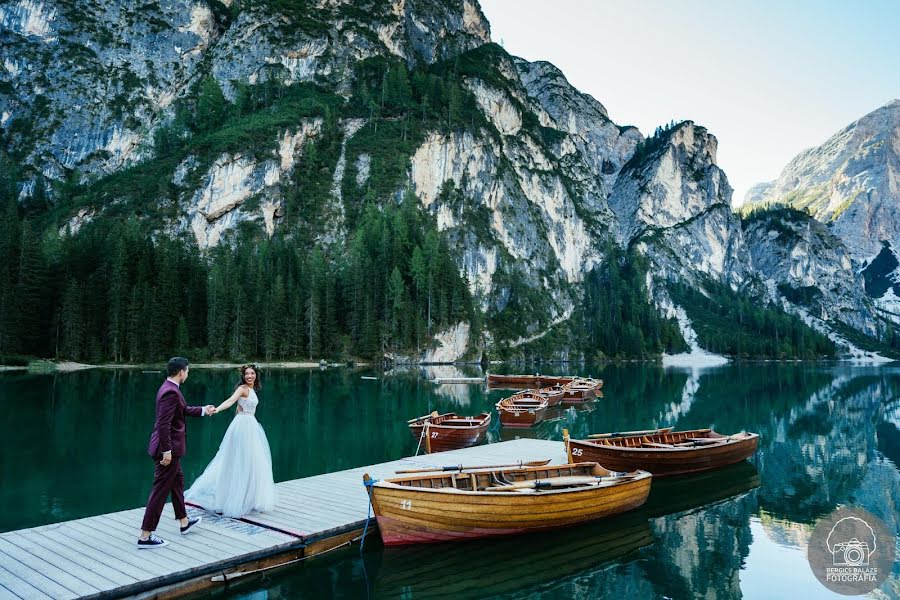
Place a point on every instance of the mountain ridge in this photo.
(291, 123)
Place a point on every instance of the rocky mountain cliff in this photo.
(851, 184)
(529, 179)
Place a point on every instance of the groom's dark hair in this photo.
(176, 365)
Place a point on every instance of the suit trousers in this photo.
(166, 481)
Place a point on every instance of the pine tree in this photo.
(29, 292)
(182, 341)
(314, 308)
(9, 237)
(116, 299)
(217, 315)
(72, 321)
(211, 105)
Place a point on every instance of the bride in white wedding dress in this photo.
(238, 480)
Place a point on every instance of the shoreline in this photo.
(685, 360)
(71, 367)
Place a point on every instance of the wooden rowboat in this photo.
(523, 409)
(457, 506)
(449, 431)
(526, 381)
(551, 380)
(664, 452)
(582, 390)
(553, 394)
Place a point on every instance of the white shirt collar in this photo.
(173, 381)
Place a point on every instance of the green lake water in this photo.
(74, 446)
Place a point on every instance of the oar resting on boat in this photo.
(533, 463)
(559, 482)
(600, 436)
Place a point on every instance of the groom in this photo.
(167, 446)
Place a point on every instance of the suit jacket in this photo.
(169, 431)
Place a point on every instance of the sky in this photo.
(768, 79)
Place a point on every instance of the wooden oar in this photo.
(434, 413)
(558, 482)
(534, 463)
(596, 436)
(726, 438)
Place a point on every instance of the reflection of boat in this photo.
(526, 381)
(464, 505)
(449, 431)
(515, 433)
(678, 494)
(666, 452)
(522, 410)
(501, 566)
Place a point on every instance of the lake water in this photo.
(74, 445)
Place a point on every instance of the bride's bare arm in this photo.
(241, 392)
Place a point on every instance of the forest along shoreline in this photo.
(69, 366)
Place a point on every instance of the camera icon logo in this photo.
(852, 553)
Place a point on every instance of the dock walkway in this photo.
(96, 557)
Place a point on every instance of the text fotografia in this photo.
(851, 574)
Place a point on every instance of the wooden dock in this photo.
(96, 557)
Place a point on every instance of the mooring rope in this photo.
(419, 445)
(362, 542)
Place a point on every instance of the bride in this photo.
(238, 480)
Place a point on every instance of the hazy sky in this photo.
(767, 78)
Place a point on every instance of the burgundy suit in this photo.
(168, 434)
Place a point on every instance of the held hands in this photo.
(209, 410)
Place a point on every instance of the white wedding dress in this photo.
(238, 480)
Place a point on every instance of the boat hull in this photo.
(523, 409)
(664, 462)
(553, 398)
(446, 437)
(522, 418)
(526, 381)
(417, 516)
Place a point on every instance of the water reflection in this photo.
(829, 436)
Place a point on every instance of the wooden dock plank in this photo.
(21, 588)
(85, 572)
(34, 578)
(99, 555)
(199, 536)
(98, 529)
(181, 545)
(79, 558)
(48, 568)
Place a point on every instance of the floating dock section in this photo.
(96, 557)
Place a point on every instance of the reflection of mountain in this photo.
(459, 394)
(817, 431)
(701, 547)
(676, 409)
